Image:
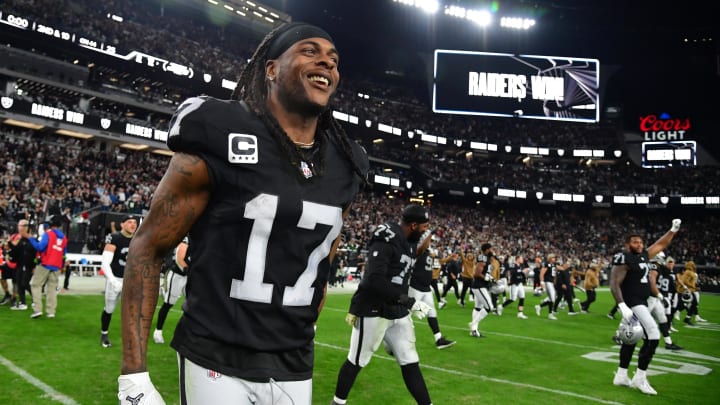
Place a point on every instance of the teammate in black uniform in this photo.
(659, 306)
(564, 287)
(420, 288)
(481, 284)
(517, 269)
(380, 308)
(631, 287)
(114, 258)
(260, 183)
(548, 273)
(175, 268)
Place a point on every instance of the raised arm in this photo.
(179, 200)
(664, 240)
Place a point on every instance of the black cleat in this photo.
(673, 346)
(442, 343)
(104, 340)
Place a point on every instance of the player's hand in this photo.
(488, 277)
(406, 301)
(675, 225)
(626, 312)
(420, 309)
(351, 319)
(137, 389)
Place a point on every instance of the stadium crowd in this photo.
(42, 174)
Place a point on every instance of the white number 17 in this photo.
(263, 209)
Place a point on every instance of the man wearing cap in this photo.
(114, 258)
(52, 248)
(380, 308)
(260, 183)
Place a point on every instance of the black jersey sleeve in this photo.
(188, 131)
(619, 259)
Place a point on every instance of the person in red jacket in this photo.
(52, 247)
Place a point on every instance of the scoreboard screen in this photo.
(525, 86)
(664, 154)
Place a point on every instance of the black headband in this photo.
(292, 33)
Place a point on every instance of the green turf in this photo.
(534, 361)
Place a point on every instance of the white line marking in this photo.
(49, 391)
(486, 378)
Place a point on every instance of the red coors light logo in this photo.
(663, 128)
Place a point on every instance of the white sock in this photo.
(339, 401)
(640, 373)
(668, 340)
(622, 371)
(438, 336)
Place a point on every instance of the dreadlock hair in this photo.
(252, 89)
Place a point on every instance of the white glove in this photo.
(488, 277)
(626, 312)
(675, 225)
(420, 309)
(137, 389)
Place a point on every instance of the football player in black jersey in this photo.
(658, 305)
(517, 272)
(667, 284)
(630, 286)
(564, 287)
(175, 268)
(114, 258)
(481, 283)
(548, 273)
(260, 183)
(380, 308)
(420, 281)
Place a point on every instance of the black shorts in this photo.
(7, 272)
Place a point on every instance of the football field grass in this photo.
(533, 361)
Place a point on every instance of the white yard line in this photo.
(486, 378)
(48, 390)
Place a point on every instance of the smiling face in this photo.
(304, 77)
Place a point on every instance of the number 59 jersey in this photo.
(260, 249)
(636, 286)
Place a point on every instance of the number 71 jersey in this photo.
(260, 248)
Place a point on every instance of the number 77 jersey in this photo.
(260, 249)
(636, 286)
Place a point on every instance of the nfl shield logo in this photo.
(213, 375)
(306, 171)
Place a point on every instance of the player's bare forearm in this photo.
(617, 275)
(661, 244)
(179, 200)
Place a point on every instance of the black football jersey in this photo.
(480, 282)
(422, 272)
(666, 281)
(260, 248)
(550, 272)
(387, 272)
(517, 275)
(122, 245)
(636, 286)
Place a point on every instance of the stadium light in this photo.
(617, 153)
(664, 199)
(485, 190)
(476, 190)
(561, 152)
(598, 198)
(408, 184)
(539, 195)
(429, 6)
